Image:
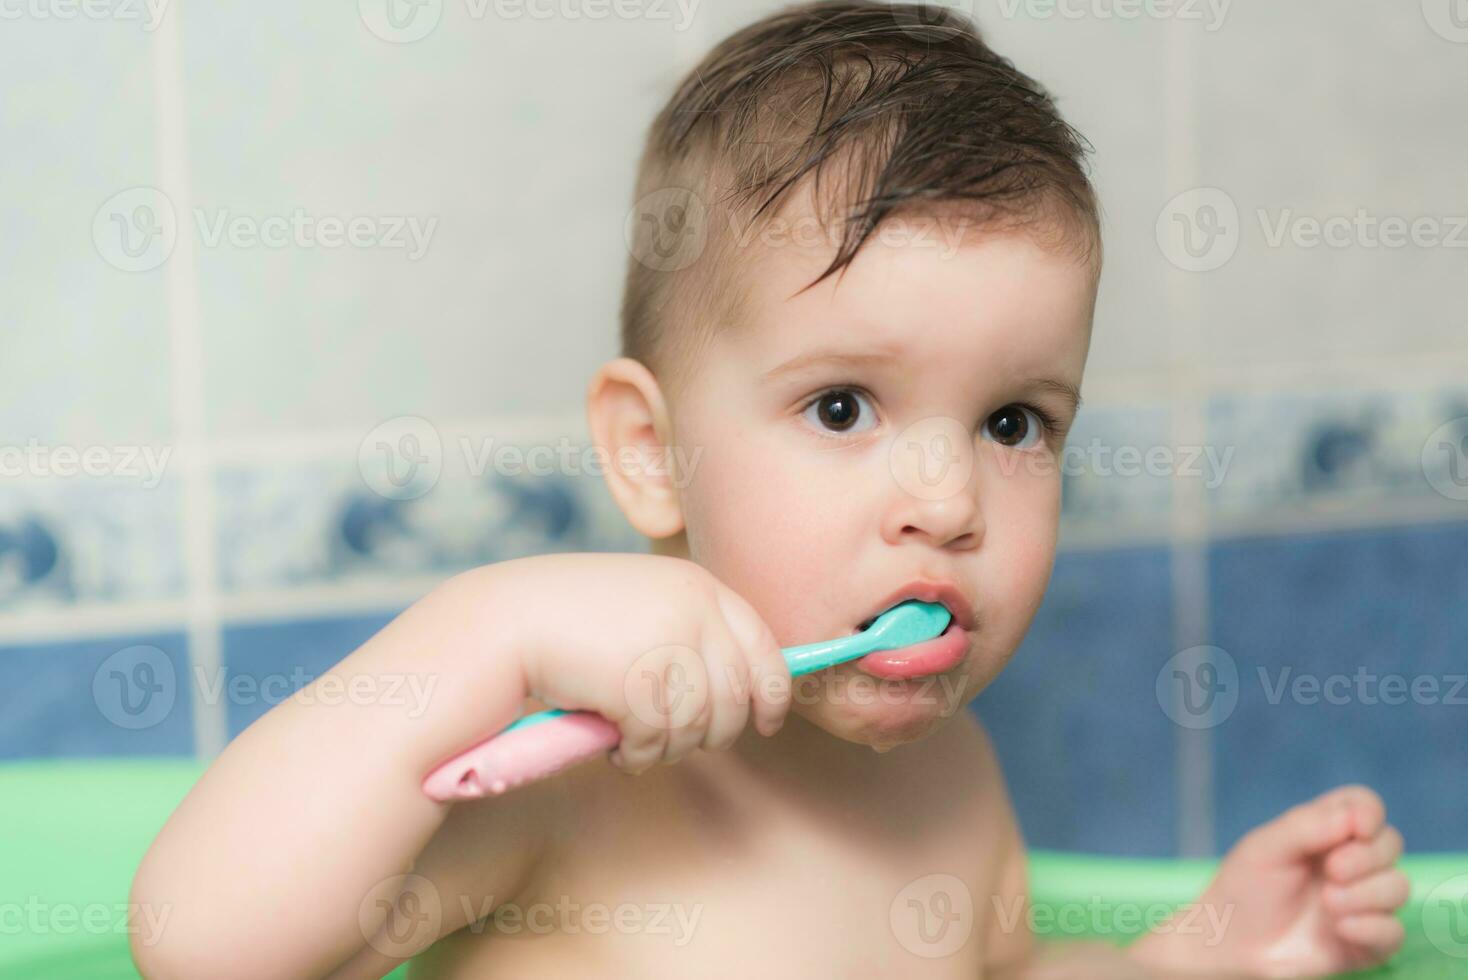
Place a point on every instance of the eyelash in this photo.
(1047, 419)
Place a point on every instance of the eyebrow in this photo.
(1064, 389)
(813, 357)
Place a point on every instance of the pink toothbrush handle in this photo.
(526, 754)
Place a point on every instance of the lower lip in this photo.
(942, 652)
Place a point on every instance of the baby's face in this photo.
(886, 428)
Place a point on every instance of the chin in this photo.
(885, 713)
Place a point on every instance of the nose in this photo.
(953, 523)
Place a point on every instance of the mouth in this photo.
(935, 656)
(946, 595)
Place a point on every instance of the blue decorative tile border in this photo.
(283, 526)
(1300, 449)
(328, 518)
(78, 540)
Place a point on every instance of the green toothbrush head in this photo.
(906, 623)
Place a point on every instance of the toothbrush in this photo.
(540, 744)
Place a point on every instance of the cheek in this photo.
(754, 521)
(1022, 518)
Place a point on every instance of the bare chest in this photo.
(691, 880)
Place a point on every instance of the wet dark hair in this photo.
(903, 103)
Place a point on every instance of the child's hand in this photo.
(657, 645)
(1311, 893)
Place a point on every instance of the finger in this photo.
(666, 689)
(769, 674)
(1383, 891)
(1359, 858)
(1367, 808)
(1382, 935)
(728, 691)
(689, 706)
(637, 754)
(1302, 831)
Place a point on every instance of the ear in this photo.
(629, 422)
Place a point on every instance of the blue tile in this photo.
(103, 697)
(267, 662)
(1358, 606)
(1086, 750)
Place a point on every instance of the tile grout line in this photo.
(186, 370)
(1187, 532)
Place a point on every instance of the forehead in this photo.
(931, 291)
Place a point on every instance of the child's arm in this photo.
(1309, 894)
(263, 868)
(287, 857)
(1312, 893)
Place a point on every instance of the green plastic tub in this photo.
(72, 833)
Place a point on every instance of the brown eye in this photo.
(841, 410)
(1014, 426)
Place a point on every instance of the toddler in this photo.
(857, 313)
